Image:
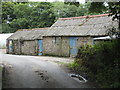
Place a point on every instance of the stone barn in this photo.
(26, 42)
(66, 35)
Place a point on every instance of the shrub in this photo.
(101, 62)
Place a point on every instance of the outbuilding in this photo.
(63, 38)
(66, 35)
(26, 42)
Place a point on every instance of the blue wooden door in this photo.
(73, 46)
(40, 47)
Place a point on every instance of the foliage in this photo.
(7, 9)
(21, 23)
(24, 15)
(6, 28)
(42, 15)
(73, 65)
(113, 8)
(62, 10)
(97, 7)
(27, 15)
(101, 62)
(72, 3)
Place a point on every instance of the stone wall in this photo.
(24, 47)
(81, 41)
(16, 47)
(7, 47)
(55, 46)
(65, 46)
(29, 47)
(60, 46)
(50, 47)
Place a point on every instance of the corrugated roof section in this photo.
(95, 25)
(28, 34)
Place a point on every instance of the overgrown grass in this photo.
(100, 62)
(73, 65)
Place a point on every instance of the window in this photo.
(56, 40)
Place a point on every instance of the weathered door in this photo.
(73, 46)
(40, 47)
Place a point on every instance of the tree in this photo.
(25, 15)
(62, 10)
(33, 15)
(7, 16)
(113, 8)
(22, 12)
(97, 7)
(42, 15)
(7, 10)
(72, 2)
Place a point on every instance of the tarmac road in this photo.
(32, 72)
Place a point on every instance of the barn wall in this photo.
(65, 46)
(60, 46)
(81, 41)
(29, 47)
(50, 47)
(7, 46)
(16, 47)
(56, 46)
(24, 47)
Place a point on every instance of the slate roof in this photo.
(28, 34)
(94, 25)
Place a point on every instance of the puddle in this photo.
(78, 77)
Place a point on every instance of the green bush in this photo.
(73, 65)
(101, 62)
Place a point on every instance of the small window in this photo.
(56, 40)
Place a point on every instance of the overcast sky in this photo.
(81, 1)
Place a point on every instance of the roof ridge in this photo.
(88, 16)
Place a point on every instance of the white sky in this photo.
(3, 38)
(81, 1)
